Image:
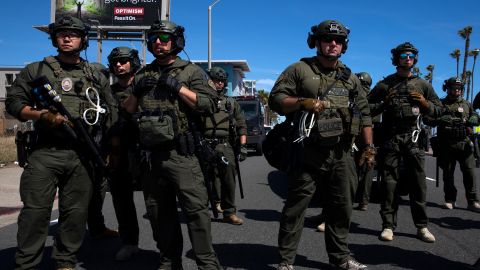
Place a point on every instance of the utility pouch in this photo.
(156, 130)
(208, 152)
(329, 131)
(25, 142)
(278, 146)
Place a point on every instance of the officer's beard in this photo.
(453, 96)
(328, 57)
(163, 54)
(405, 68)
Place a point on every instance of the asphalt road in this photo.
(254, 244)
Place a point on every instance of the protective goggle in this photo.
(122, 61)
(67, 33)
(328, 39)
(409, 55)
(163, 38)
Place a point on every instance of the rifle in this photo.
(204, 154)
(44, 93)
(236, 146)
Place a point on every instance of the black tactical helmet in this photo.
(124, 52)
(69, 23)
(452, 83)
(328, 28)
(365, 79)
(178, 42)
(218, 73)
(404, 47)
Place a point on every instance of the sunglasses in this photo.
(69, 34)
(122, 61)
(409, 55)
(163, 38)
(328, 39)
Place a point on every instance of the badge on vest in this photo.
(460, 109)
(67, 84)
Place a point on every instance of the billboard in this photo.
(112, 12)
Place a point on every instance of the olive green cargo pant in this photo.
(396, 148)
(174, 176)
(462, 152)
(47, 170)
(338, 184)
(225, 183)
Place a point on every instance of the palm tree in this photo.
(263, 96)
(429, 76)
(416, 71)
(465, 34)
(270, 116)
(456, 54)
(468, 77)
(473, 53)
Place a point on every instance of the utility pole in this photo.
(210, 34)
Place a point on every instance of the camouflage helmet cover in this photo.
(218, 73)
(328, 28)
(452, 83)
(124, 52)
(69, 23)
(365, 79)
(404, 47)
(178, 42)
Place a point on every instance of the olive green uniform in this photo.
(55, 163)
(401, 125)
(121, 180)
(217, 134)
(365, 176)
(326, 159)
(173, 169)
(457, 146)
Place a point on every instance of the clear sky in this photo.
(271, 34)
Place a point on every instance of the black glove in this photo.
(419, 99)
(144, 85)
(243, 153)
(169, 83)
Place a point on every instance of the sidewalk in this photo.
(10, 203)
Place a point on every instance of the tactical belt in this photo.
(215, 141)
(401, 128)
(455, 133)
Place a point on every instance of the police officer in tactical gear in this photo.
(124, 62)
(57, 162)
(454, 130)
(322, 87)
(218, 135)
(403, 98)
(365, 175)
(171, 95)
(95, 220)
